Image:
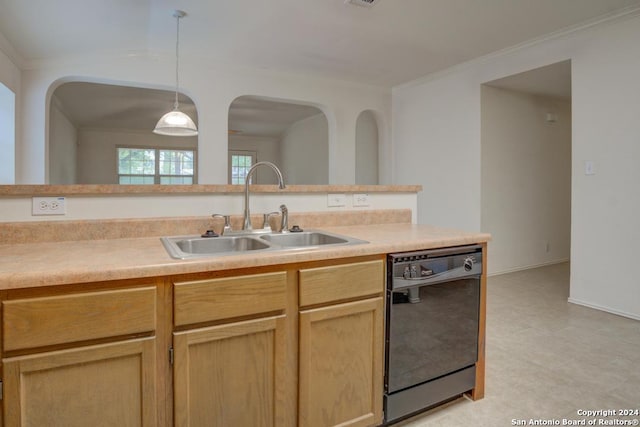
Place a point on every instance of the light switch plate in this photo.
(336, 200)
(589, 168)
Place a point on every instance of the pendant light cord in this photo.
(175, 104)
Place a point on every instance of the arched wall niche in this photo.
(367, 149)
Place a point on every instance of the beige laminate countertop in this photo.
(47, 264)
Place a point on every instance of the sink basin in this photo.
(187, 247)
(305, 239)
(183, 247)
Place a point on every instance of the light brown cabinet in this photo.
(229, 375)
(52, 388)
(85, 358)
(341, 349)
(295, 344)
(327, 321)
(341, 345)
(232, 373)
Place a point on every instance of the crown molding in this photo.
(7, 48)
(609, 18)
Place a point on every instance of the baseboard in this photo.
(604, 308)
(528, 267)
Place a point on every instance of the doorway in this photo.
(526, 168)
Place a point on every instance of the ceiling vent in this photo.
(365, 3)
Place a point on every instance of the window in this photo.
(155, 166)
(239, 164)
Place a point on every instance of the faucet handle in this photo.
(284, 226)
(227, 222)
(265, 224)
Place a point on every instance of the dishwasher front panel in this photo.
(435, 335)
(431, 342)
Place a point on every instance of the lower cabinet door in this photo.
(230, 375)
(102, 385)
(341, 372)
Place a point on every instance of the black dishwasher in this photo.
(431, 343)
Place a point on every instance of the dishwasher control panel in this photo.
(433, 266)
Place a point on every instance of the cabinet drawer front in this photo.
(326, 284)
(44, 321)
(216, 299)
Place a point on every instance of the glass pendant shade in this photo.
(176, 123)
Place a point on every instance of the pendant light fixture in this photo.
(175, 122)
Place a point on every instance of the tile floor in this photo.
(546, 358)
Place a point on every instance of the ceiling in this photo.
(393, 42)
(256, 116)
(552, 80)
(93, 105)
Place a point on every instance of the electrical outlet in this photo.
(48, 206)
(336, 200)
(361, 199)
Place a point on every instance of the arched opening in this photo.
(290, 134)
(367, 149)
(102, 134)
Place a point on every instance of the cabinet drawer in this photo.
(217, 299)
(326, 284)
(44, 321)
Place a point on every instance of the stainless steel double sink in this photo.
(184, 247)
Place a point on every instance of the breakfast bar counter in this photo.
(27, 265)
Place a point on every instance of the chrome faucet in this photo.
(247, 180)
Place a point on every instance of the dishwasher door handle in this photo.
(399, 283)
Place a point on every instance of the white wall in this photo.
(305, 153)
(436, 133)
(97, 153)
(436, 128)
(81, 207)
(212, 87)
(366, 149)
(64, 137)
(605, 227)
(526, 179)
(9, 105)
(7, 135)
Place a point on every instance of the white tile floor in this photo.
(546, 358)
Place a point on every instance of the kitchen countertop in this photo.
(29, 265)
